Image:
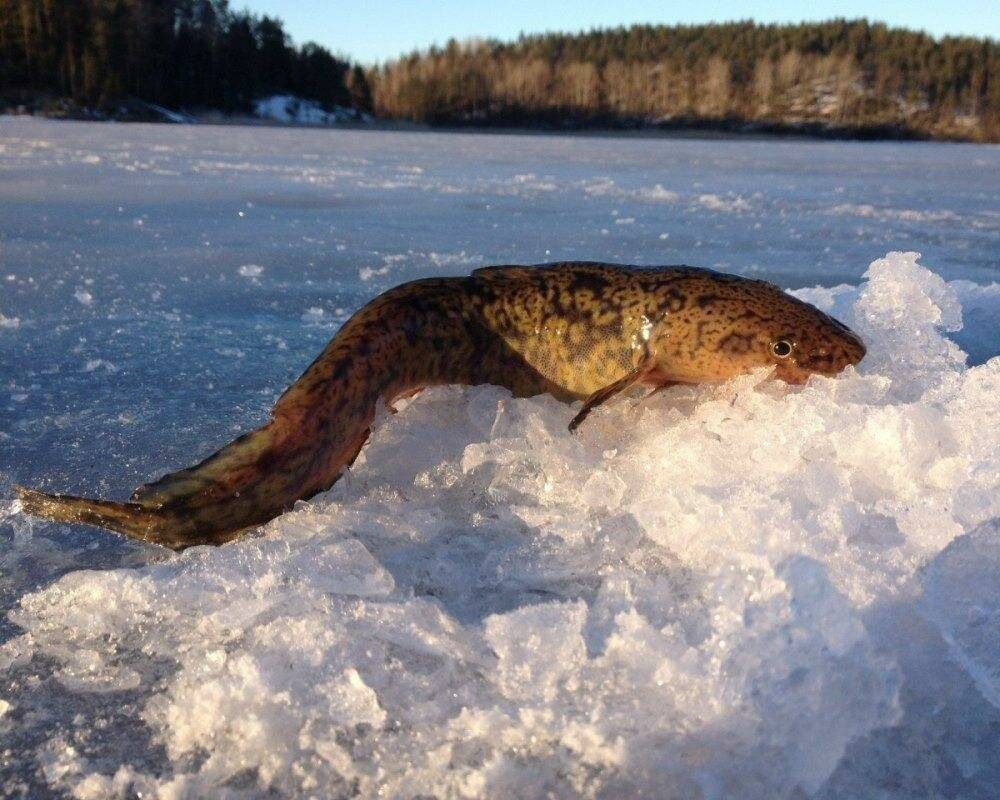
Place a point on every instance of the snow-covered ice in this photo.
(748, 590)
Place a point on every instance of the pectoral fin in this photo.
(660, 387)
(639, 374)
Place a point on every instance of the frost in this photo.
(454, 259)
(658, 194)
(714, 202)
(99, 363)
(83, 297)
(251, 270)
(907, 214)
(9, 322)
(367, 273)
(314, 315)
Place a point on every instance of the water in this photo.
(743, 591)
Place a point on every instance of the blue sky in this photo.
(375, 30)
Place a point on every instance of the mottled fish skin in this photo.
(572, 330)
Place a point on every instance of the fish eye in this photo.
(782, 348)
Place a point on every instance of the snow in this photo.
(99, 363)
(290, 109)
(729, 204)
(868, 210)
(657, 192)
(748, 590)
(251, 270)
(168, 115)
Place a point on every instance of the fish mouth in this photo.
(852, 348)
(859, 344)
(852, 344)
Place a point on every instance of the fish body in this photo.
(577, 331)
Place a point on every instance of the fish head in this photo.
(741, 325)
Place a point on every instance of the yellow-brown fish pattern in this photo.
(578, 331)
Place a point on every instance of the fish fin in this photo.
(391, 404)
(505, 272)
(660, 387)
(212, 476)
(640, 373)
(519, 272)
(259, 476)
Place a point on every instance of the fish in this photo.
(580, 331)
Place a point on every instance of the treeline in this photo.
(852, 76)
(176, 53)
(838, 75)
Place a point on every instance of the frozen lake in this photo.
(742, 591)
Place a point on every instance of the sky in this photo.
(377, 30)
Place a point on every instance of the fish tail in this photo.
(131, 519)
(411, 337)
(316, 432)
(245, 484)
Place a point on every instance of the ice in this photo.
(748, 590)
(960, 596)
(540, 649)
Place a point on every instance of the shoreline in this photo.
(695, 129)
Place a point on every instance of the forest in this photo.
(841, 77)
(194, 54)
(853, 76)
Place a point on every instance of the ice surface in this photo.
(748, 590)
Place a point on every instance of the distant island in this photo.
(164, 59)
